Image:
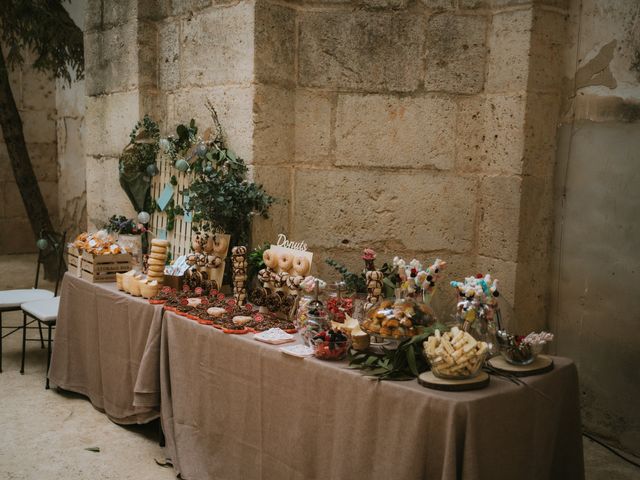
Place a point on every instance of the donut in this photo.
(220, 244)
(158, 256)
(285, 261)
(160, 242)
(270, 259)
(301, 266)
(208, 243)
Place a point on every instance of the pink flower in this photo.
(368, 254)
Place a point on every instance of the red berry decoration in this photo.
(248, 307)
(231, 302)
(184, 301)
(259, 317)
(198, 291)
(479, 276)
(221, 296)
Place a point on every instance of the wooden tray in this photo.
(98, 268)
(429, 380)
(542, 364)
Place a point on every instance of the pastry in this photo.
(270, 259)
(301, 266)
(285, 261)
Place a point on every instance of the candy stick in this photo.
(239, 267)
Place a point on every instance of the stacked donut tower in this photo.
(283, 275)
(374, 287)
(239, 266)
(210, 251)
(157, 259)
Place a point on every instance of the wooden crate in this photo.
(97, 268)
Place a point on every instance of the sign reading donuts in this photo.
(290, 257)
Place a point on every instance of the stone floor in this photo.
(44, 434)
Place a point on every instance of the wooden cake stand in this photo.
(429, 380)
(542, 364)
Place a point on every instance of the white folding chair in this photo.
(11, 300)
(45, 312)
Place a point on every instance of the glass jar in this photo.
(455, 354)
(397, 318)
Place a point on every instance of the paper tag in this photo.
(187, 217)
(162, 234)
(165, 197)
(92, 243)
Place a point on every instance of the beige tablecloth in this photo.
(233, 408)
(107, 347)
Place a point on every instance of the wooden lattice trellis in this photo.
(180, 236)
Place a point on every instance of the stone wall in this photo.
(596, 261)
(420, 128)
(70, 126)
(34, 94)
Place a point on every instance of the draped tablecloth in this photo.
(107, 347)
(234, 408)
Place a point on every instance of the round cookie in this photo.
(158, 256)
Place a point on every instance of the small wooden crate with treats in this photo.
(97, 268)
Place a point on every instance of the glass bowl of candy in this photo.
(397, 319)
(521, 350)
(455, 355)
(330, 345)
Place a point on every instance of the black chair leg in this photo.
(0, 342)
(48, 355)
(41, 337)
(24, 340)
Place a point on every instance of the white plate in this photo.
(300, 351)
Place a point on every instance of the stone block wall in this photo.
(35, 97)
(420, 128)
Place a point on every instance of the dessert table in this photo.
(236, 408)
(107, 347)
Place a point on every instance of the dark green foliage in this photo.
(141, 152)
(404, 363)
(44, 28)
(353, 281)
(356, 282)
(255, 261)
(220, 197)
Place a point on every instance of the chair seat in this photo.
(15, 298)
(43, 310)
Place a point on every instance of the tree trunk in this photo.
(21, 164)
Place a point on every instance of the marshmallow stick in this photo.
(239, 270)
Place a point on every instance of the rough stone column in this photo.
(523, 98)
(120, 82)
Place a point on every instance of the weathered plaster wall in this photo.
(595, 307)
(34, 94)
(70, 126)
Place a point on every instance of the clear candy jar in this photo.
(455, 355)
(397, 318)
